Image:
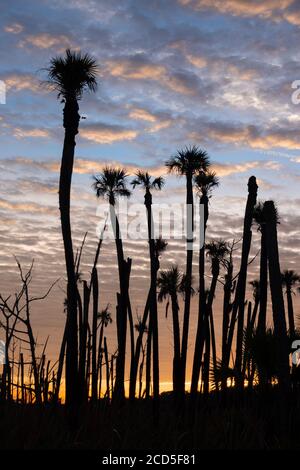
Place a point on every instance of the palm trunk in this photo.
(206, 360)
(189, 266)
(100, 357)
(202, 331)
(153, 301)
(176, 339)
(148, 361)
(139, 342)
(95, 284)
(107, 368)
(239, 301)
(124, 273)
(290, 312)
(263, 284)
(211, 296)
(83, 339)
(60, 364)
(71, 123)
(280, 331)
(225, 321)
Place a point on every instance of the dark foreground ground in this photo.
(253, 422)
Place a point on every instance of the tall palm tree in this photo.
(205, 182)
(216, 251)
(263, 275)
(289, 279)
(228, 289)
(143, 179)
(141, 328)
(188, 162)
(70, 76)
(104, 319)
(280, 331)
(170, 283)
(111, 184)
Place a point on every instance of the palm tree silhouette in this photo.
(216, 251)
(70, 76)
(171, 282)
(104, 319)
(111, 184)
(143, 179)
(188, 162)
(289, 279)
(205, 182)
(263, 275)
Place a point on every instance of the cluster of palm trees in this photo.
(261, 354)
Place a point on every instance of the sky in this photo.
(218, 74)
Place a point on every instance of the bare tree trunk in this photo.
(290, 312)
(95, 285)
(263, 284)
(148, 361)
(83, 340)
(226, 318)
(139, 342)
(239, 301)
(107, 368)
(280, 331)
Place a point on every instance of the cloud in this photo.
(21, 133)
(107, 134)
(142, 114)
(21, 82)
(237, 68)
(247, 8)
(30, 207)
(227, 169)
(13, 28)
(159, 121)
(139, 67)
(47, 41)
(250, 135)
(135, 68)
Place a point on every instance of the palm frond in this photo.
(188, 161)
(72, 74)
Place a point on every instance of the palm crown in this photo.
(289, 278)
(217, 249)
(105, 316)
(258, 215)
(170, 282)
(205, 182)
(72, 74)
(188, 161)
(144, 179)
(111, 183)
